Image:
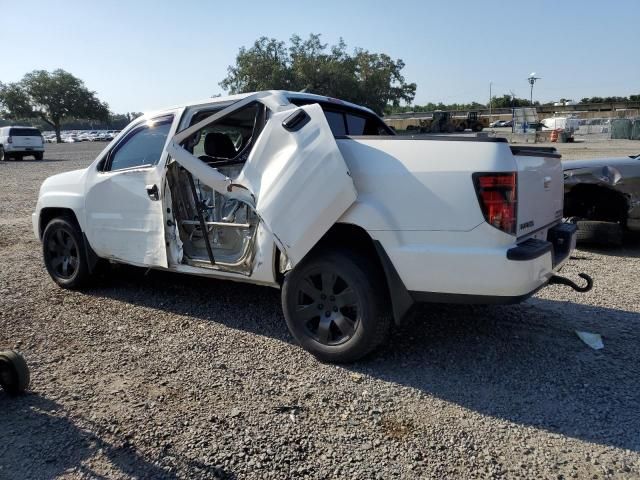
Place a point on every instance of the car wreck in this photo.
(602, 197)
(317, 197)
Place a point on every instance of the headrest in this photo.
(219, 145)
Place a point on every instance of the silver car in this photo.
(602, 196)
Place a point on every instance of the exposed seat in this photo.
(218, 147)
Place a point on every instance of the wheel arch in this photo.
(358, 239)
(49, 213)
(596, 202)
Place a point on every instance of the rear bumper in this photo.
(11, 149)
(451, 273)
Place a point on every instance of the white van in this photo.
(18, 142)
(562, 123)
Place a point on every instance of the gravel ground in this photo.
(168, 376)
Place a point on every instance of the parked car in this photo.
(318, 197)
(19, 142)
(602, 197)
(497, 124)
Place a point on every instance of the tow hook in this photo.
(558, 280)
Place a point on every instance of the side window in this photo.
(355, 124)
(345, 120)
(336, 123)
(142, 146)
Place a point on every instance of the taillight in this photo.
(497, 197)
(9, 140)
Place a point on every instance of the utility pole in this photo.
(532, 80)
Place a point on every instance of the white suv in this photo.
(18, 142)
(317, 197)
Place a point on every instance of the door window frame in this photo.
(104, 166)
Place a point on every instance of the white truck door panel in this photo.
(295, 178)
(123, 222)
(299, 179)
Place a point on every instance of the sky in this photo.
(141, 55)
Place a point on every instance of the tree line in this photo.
(58, 100)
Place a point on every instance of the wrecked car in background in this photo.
(602, 197)
(318, 197)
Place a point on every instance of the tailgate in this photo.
(26, 141)
(540, 188)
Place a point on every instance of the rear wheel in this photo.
(336, 307)
(38, 155)
(64, 254)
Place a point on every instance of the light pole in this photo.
(490, 103)
(532, 80)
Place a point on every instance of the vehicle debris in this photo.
(14, 372)
(593, 340)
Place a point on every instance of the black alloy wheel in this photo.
(336, 304)
(328, 306)
(64, 253)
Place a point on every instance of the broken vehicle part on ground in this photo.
(14, 372)
(318, 197)
(602, 196)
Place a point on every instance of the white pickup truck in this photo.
(318, 197)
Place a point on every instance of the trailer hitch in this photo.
(558, 280)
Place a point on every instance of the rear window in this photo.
(348, 121)
(24, 132)
(336, 123)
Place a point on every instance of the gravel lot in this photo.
(168, 376)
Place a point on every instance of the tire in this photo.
(38, 156)
(3, 155)
(64, 254)
(14, 373)
(592, 231)
(336, 305)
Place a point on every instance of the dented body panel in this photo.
(299, 180)
(620, 175)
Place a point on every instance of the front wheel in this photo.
(64, 254)
(336, 305)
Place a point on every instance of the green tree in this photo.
(51, 97)
(371, 79)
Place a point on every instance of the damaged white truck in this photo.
(318, 197)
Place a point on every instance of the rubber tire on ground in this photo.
(38, 156)
(364, 276)
(3, 155)
(592, 231)
(81, 276)
(18, 372)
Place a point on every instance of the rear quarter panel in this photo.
(418, 184)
